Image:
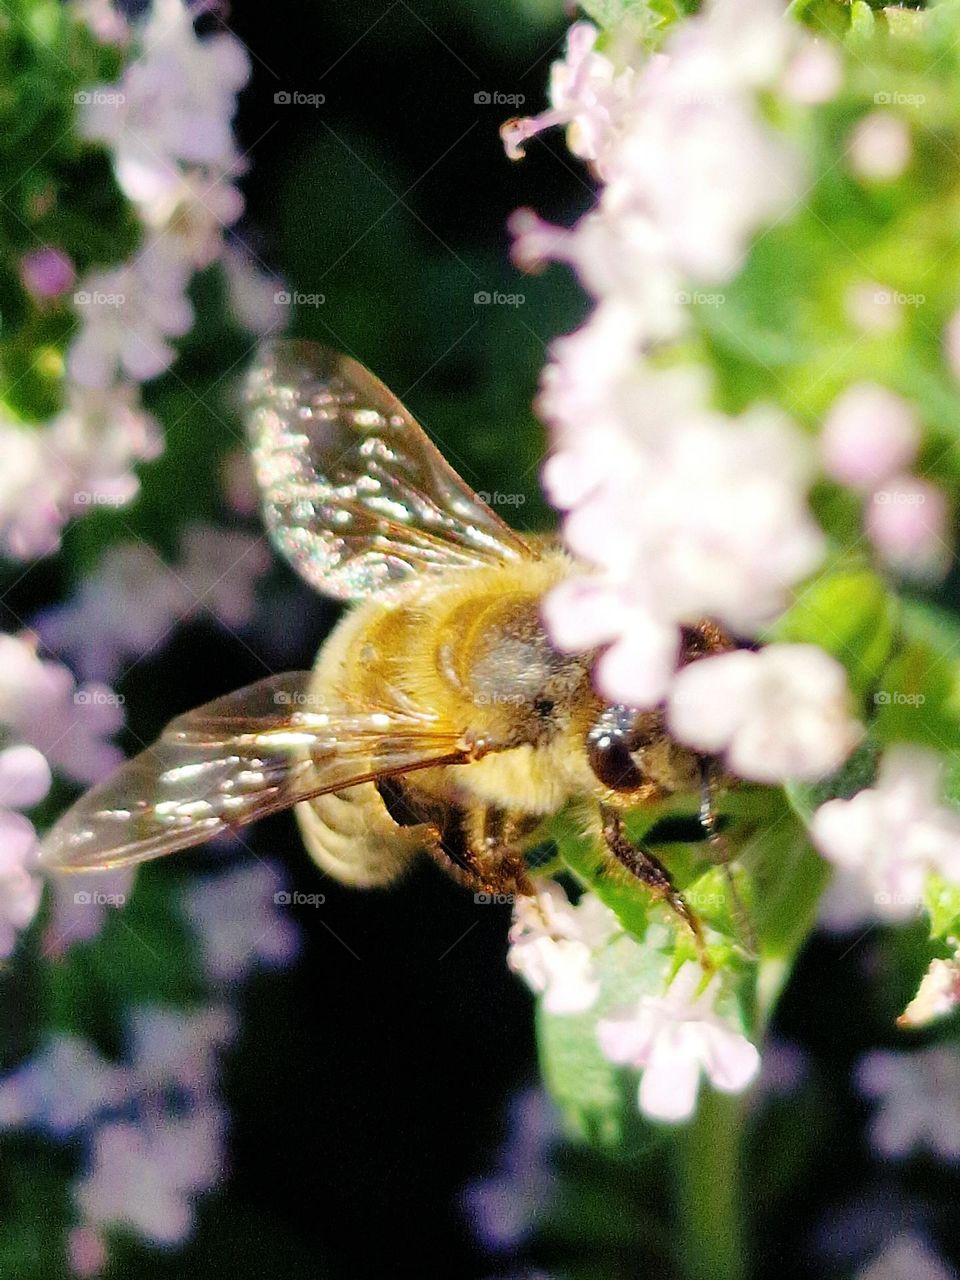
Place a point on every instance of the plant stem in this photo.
(708, 1192)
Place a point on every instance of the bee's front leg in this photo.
(651, 872)
(722, 854)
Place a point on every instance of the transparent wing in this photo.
(239, 758)
(354, 493)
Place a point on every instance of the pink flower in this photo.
(869, 434)
(62, 1088)
(893, 834)
(879, 147)
(237, 924)
(128, 313)
(86, 1252)
(145, 1176)
(907, 521)
(79, 905)
(907, 1258)
(553, 944)
(814, 73)
(47, 273)
(171, 1048)
(782, 712)
(24, 781)
(674, 1037)
(918, 1101)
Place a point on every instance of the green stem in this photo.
(709, 1194)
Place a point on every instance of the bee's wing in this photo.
(354, 493)
(239, 758)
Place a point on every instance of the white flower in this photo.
(251, 294)
(127, 315)
(173, 1049)
(937, 996)
(553, 944)
(173, 106)
(918, 1101)
(895, 833)
(78, 906)
(673, 1038)
(908, 524)
(706, 518)
(782, 712)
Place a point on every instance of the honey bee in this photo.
(438, 717)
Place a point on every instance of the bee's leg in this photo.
(650, 872)
(492, 838)
(721, 853)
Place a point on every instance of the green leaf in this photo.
(849, 613)
(942, 900)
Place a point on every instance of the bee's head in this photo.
(616, 742)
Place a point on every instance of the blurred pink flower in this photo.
(99, 631)
(917, 1096)
(907, 1257)
(503, 1207)
(879, 149)
(674, 1037)
(893, 834)
(78, 906)
(69, 724)
(62, 1088)
(907, 521)
(782, 712)
(251, 293)
(553, 945)
(175, 1048)
(47, 273)
(127, 313)
(86, 1252)
(144, 1176)
(814, 73)
(237, 923)
(869, 434)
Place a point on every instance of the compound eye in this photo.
(612, 762)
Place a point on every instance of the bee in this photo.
(438, 716)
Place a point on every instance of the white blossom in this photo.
(553, 946)
(937, 997)
(237, 923)
(880, 148)
(675, 1037)
(869, 434)
(894, 834)
(782, 712)
(128, 313)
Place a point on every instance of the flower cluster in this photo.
(681, 511)
(165, 125)
(671, 1035)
